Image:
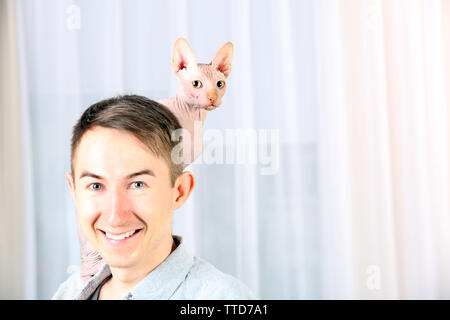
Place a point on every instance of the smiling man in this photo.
(125, 188)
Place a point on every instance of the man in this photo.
(125, 188)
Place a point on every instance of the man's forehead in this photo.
(107, 151)
(115, 141)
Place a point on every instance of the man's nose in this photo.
(119, 211)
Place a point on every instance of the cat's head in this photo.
(201, 85)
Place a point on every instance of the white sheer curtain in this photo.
(358, 91)
(10, 159)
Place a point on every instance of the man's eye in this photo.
(138, 184)
(95, 186)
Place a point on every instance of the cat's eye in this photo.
(220, 84)
(197, 83)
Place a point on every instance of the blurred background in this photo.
(358, 91)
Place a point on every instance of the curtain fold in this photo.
(11, 214)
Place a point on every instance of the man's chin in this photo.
(119, 261)
(119, 257)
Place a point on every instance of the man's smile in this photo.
(116, 238)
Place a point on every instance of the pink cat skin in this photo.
(201, 88)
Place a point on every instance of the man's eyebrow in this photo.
(135, 174)
(89, 174)
(146, 171)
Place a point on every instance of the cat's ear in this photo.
(222, 59)
(183, 56)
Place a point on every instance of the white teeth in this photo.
(119, 236)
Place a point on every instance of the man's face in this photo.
(123, 196)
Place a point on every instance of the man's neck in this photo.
(124, 279)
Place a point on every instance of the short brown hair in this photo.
(149, 121)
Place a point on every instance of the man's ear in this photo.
(222, 59)
(71, 183)
(184, 184)
(183, 56)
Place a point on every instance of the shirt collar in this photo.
(161, 283)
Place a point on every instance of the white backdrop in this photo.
(358, 91)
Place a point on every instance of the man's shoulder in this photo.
(205, 281)
(70, 288)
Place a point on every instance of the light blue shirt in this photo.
(180, 276)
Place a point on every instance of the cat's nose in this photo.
(212, 96)
(212, 99)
